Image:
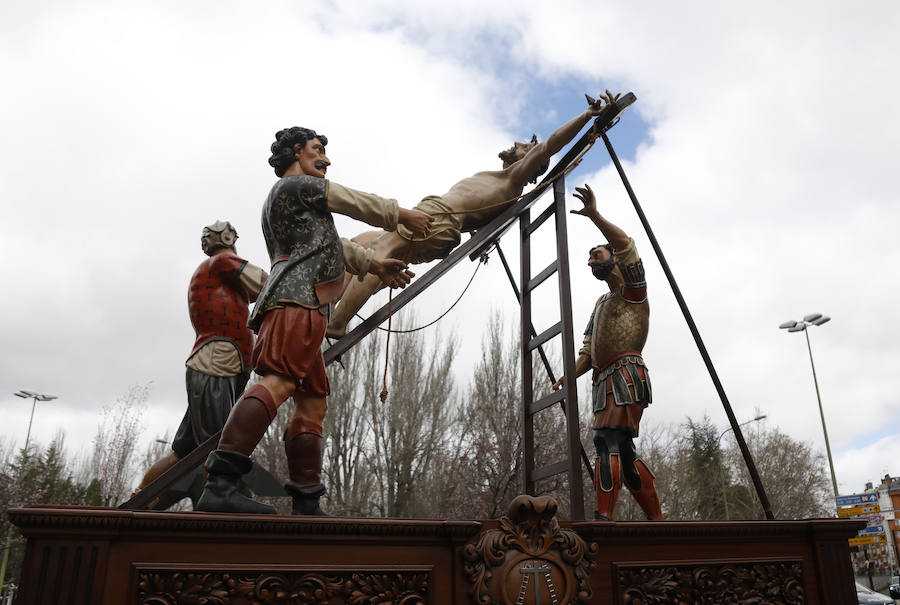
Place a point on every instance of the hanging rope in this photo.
(482, 260)
(384, 390)
(387, 344)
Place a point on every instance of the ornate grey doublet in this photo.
(303, 245)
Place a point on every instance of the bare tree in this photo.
(348, 475)
(410, 428)
(114, 462)
(156, 449)
(485, 460)
(488, 454)
(794, 476)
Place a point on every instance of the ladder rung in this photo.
(544, 336)
(551, 469)
(532, 227)
(545, 402)
(540, 277)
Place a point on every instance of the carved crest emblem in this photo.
(529, 559)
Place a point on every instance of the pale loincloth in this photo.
(443, 237)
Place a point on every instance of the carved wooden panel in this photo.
(65, 574)
(750, 583)
(218, 587)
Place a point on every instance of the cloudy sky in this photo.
(763, 147)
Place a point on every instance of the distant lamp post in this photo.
(35, 397)
(815, 319)
(718, 441)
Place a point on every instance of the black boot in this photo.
(306, 498)
(221, 494)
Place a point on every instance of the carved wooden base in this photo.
(96, 556)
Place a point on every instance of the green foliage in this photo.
(702, 453)
(701, 473)
(38, 476)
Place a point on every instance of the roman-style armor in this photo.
(615, 336)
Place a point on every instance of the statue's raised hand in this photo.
(597, 105)
(586, 195)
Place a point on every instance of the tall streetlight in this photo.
(718, 442)
(35, 397)
(815, 319)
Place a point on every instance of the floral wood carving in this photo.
(529, 559)
(157, 587)
(740, 583)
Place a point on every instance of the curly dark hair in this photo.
(283, 147)
(607, 246)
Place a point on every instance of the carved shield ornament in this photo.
(529, 559)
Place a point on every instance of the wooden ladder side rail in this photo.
(543, 355)
(573, 428)
(526, 369)
(568, 398)
(482, 239)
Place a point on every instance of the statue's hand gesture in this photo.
(392, 272)
(586, 195)
(597, 105)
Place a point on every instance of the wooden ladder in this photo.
(565, 396)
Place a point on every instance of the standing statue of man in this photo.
(308, 267)
(469, 204)
(613, 342)
(218, 367)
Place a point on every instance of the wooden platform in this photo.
(99, 556)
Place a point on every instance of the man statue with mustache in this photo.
(308, 267)
(613, 341)
(469, 204)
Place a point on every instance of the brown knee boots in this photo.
(246, 425)
(304, 447)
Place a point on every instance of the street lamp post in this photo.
(35, 397)
(718, 441)
(815, 319)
